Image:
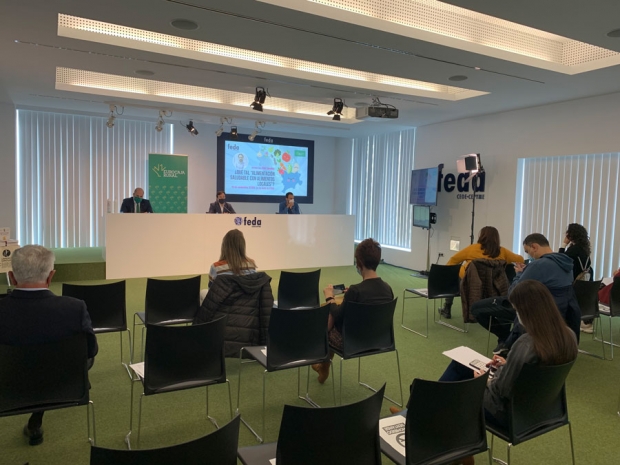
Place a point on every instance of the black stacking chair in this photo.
(443, 281)
(511, 273)
(179, 358)
(296, 338)
(587, 298)
(537, 406)
(346, 435)
(41, 377)
(368, 329)
(169, 302)
(106, 306)
(432, 436)
(611, 311)
(217, 448)
(299, 289)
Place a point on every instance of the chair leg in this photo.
(331, 366)
(307, 397)
(402, 319)
(247, 425)
(367, 386)
(130, 352)
(229, 399)
(140, 418)
(91, 406)
(264, 402)
(128, 435)
(213, 420)
(508, 447)
(572, 448)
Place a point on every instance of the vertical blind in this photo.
(553, 192)
(379, 188)
(70, 166)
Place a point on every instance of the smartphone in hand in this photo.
(338, 289)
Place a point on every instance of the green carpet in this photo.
(593, 389)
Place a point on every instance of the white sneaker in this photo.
(586, 328)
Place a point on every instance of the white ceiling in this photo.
(31, 50)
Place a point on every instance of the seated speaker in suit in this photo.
(32, 314)
(220, 205)
(137, 203)
(288, 205)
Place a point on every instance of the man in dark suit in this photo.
(221, 206)
(32, 314)
(288, 206)
(137, 203)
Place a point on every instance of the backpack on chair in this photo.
(585, 270)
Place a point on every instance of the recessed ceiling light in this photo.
(614, 34)
(144, 72)
(458, 77)
(184, 24)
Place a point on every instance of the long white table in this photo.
(150, 245)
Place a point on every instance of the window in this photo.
(379, 192)
(553, 192)
(71, 167)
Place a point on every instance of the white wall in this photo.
(202, 165)
(7, 167)
(569, 128)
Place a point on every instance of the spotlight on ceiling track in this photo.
(160, 121)
(259, 126)
(191, 129)
(259, 99)
(337, 109)
(220, 130)
(233, 133)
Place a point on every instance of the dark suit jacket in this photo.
(38, 317)
(129, 206)
(215, 208)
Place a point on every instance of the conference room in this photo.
(417, 123)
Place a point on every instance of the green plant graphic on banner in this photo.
(168, 183)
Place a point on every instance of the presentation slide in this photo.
(424, 186)
(266, 169)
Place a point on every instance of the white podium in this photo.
(151, 245)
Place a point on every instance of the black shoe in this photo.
(445, 312)
(501, 350)
(35, 436)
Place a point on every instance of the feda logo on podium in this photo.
(245, 221)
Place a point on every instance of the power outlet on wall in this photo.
(440, 254)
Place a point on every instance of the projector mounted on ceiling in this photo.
(377, 110)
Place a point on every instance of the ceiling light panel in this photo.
(113, 34)
(77, 80)
(452, 26)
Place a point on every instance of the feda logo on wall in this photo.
(255, 223)
(464, 187)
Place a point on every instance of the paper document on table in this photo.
(465, 355)
(138, 368)
(607, 281)
(392, 431)
(272, 461)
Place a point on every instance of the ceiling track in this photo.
(249, 76)
(350, 41)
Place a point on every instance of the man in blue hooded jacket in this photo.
(554, 270)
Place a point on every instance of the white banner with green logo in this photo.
(168, 183)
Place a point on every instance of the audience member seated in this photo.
(554, 271)
(548, 341)
(239, 292)
(576, 244)
(32, 314)
(488, 246)
(372, 290)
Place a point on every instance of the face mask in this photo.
(222, 201)
(137, 199)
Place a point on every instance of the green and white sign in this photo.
(168, 183)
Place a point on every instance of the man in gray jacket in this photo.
(554, 270)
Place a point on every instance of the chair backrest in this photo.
(346, 435)
(171, 299)
(367, 329)
(443, 281)
(217, 448)
(296, 335)
(587, 297)
(614, 298)
(445, 420)
(184, 357)
(510, 272)
(43, 376)
(538, 401)
(105, 304)
(299, 289)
